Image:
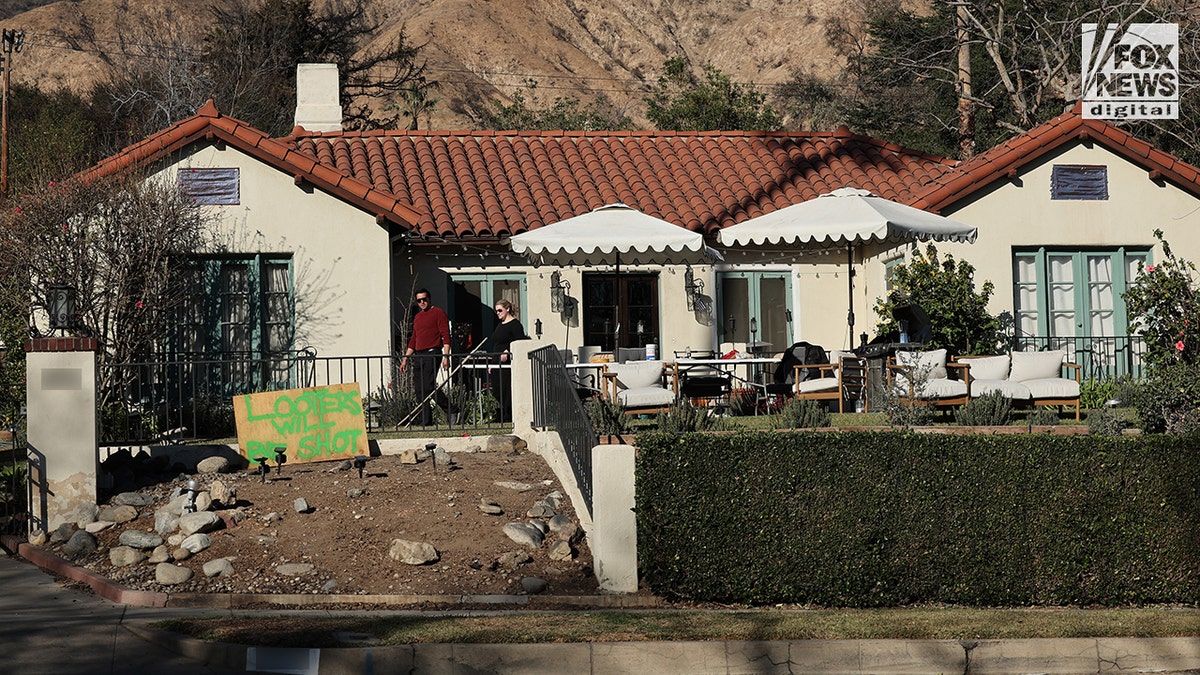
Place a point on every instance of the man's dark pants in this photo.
(425, 368)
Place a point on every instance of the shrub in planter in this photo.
(1105, 422)
(608, 418)
(993, 409)
(1043, 417)
(684, 417)
(804, 414)
(1168, 400)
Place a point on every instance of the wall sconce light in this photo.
(60, 303)
(537, 328)
(558, 292)
(694, 289)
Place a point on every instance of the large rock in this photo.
(132, 499)
(301, 505)
(203, 521)
(97, 526)
(561, 551)
(506, 443)
(222, 494)
(81, 544)
(169, 575)
(62, 533)
(524, 534)
(204, 501)
(221, 567)
(160, 555)
(412, 552)
(124, 556)
(122, 513)
(196, 543)
(86, 514)
(165, 521)
(533, 585)
(139, 539)
(295, 569)
(213, 464)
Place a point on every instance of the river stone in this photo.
(38, 537)
(117, 514)
(513, 559)
(98, 526)
(441, 457)
(295, 569)
(169, 575)
(554, 499)
(203, 501)
(540, 525)
(301, 505)
(533, 585)
(203, 521)
(159, 555)
(221, 567)
(139, 539)
(175, 539)
(491, 508)
(560, 523)
(181, 554)
(81, 544)
(222, 494)
(196, 543)
(133, 499)
(409, 456)
(412, 552)
(506, 443)
(524, 534)
(540, 510)
(86, 514)
(124, 556)
(512, 485)
(62, 533)
(176, 504)
(165, 522)
(215, 464)
(560, 551)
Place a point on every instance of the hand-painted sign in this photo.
(310, 425)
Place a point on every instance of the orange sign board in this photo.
(310, 425)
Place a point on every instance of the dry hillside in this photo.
(481, 49)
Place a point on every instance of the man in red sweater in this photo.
(430, 335)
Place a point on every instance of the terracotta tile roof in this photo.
(489, 184)
(208, 125)
(1006, 159)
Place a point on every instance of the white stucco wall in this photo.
(1020, 213)
(341, 256)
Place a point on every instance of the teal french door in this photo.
(755, 307)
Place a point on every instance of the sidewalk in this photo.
(46, 628)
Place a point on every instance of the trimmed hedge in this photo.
(867, 519)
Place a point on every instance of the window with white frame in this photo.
(755, 307)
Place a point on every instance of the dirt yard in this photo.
(347, 533)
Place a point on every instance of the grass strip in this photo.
(667, 625)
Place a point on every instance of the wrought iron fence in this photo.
(190, 397)
(556, 407)
(1101, 357)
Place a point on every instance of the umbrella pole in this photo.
(617, 297)
(850, 285)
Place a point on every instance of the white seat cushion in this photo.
(922, 366)
(936, 388)
(638, 374)
(1036, 365)
(646, 397)
(988, 368)
(822, 384)
(1016, 391)
(1052, 387)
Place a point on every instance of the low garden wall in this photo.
(861, 519)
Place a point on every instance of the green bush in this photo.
(742, 402)
(1168, 400)
(1043, 416)
(993, 409)
(858, 519)
(1105, 422)
(685, 417)
(1095, 393)
(608, 418)
(804, 414)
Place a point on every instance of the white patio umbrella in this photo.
(845, 217)
(610, 235)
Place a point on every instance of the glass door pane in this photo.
(615, 306)
(774, 328)
(735, 308)
(1100, 294)
(1061, 280)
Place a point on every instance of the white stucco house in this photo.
(331, 232)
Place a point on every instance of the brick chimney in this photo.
(317, 87)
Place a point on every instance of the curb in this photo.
(122, 595)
